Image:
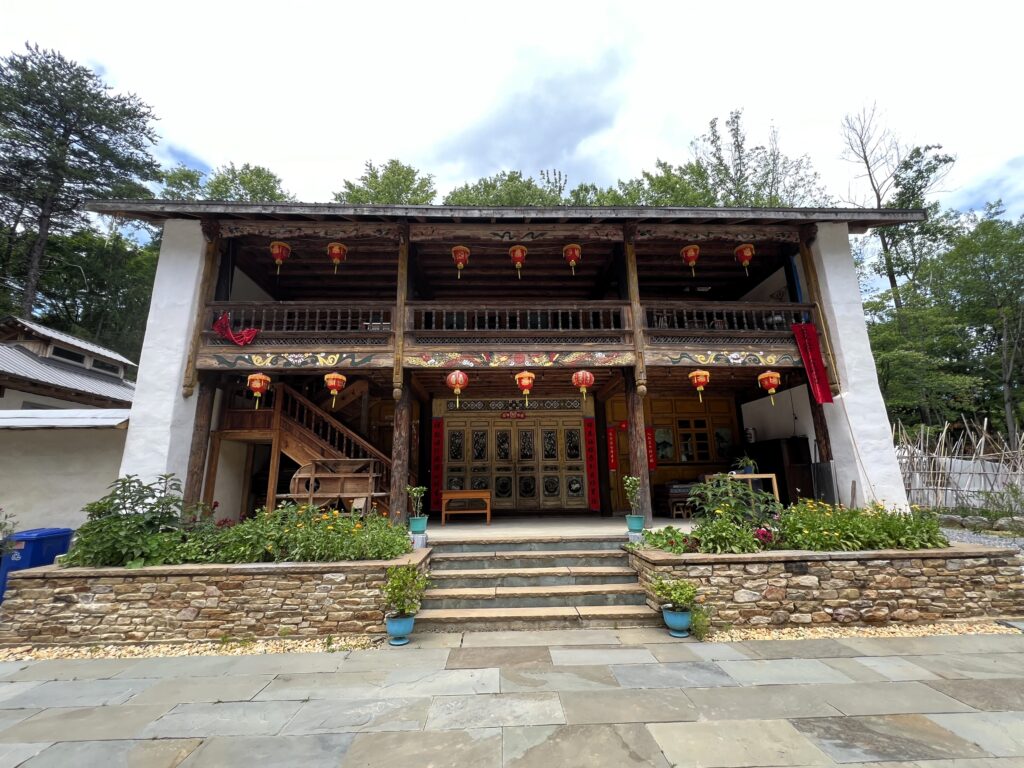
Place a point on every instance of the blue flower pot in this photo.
(418, 524)
(678, 622)
(634, 523)
(400, 627)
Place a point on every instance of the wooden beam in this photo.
(398, 318)
(350, 394)
(637, 311)
(398, 499)
(200, 442)
(210, 484)
(638, 446)
(292, 229)
(275, 455)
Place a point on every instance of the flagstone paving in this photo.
(594, 698)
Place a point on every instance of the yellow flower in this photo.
(323, 517)
(299, 525)
(336, 513)
(330, 527)
(358, 526)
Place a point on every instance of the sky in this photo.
(313, 90)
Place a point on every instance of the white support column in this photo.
(858, 426)
(160, 429)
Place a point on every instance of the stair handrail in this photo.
(355, 437)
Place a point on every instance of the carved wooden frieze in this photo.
(435, 359)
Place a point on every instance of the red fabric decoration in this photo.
(593, 481)
(613, 451)
(810, 352)
(652, 448)
(436, 463)
(222, 325)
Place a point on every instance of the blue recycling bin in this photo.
(38, 546)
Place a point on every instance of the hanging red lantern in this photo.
(524, 380)
(700, 379)
(258, 384)
(583, 380)
(335, 383)
(744, 255)
(518, 255)
(573, 254)
(770, 381)
(460, 255)
(457, 381)
(690, 254)
(280, 253)
(337, 253)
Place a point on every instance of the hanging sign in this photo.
(652, 452)
(613, 450)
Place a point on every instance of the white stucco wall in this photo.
(789, 417)
(48, 475)
(230, 481)
(14, 400)
(857, 423)
(160, 431)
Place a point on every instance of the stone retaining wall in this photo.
(196, 602)
(800, 588)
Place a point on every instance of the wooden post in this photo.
(200, 442)
(636, 310)
(398, 318)
(820, 428)
(638, 445)
(364, 413)
(209, 487)
(398, 499)
(275, 454)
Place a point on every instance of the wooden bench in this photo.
(449, 496)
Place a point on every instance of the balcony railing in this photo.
(364, 323)
(678, 322)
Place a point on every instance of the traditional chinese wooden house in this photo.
(451, 347)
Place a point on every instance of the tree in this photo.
(250, 184)
(64, 138)
(394, 183)
(759, 176)
(511, 189)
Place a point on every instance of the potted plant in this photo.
(745, 465)
(417, 521)
(403, 593)
(677, 597)
(634, 521)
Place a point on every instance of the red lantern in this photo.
(337, 253)
(583, 379)
(744, 255)
(457, 381)
(460, 255)
(518, 255)
(335, 383)
(258, 384)
(573, 254)
(769, 381)
(524, 380)
(690, 254)
(280, 253)
(700, 379)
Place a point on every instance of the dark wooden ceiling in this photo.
(370, 271)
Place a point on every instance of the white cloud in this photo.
(314, 89)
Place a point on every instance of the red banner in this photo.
(652, 448)
(436, 463)
(810, 352)
(613, 450)
(593, 481)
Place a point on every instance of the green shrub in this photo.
(818, 526)
(404, 589)
(733, 499)
(631, 485)
(669, 539)
(677, 594)
(720, 535)
(7, 526)
(700, 622)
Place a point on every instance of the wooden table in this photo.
(482, 496)
(751, 478)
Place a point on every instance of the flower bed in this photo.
(783, 588)
(197, 601)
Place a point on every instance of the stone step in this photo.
(528, 559)
(532, 577)
(491, 619)
(529, 544)
(563, 596)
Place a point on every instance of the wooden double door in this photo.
(532, 463)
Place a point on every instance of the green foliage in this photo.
(669, 539)
(719, 534)
(404, 589)
(700, 622)
(416, 493)
(249, 183)
(745, 462)
(631, 484)
(734, 500)
(677, 594)
(8, 524)
(393, 183)
(159, 501)
(510, 188)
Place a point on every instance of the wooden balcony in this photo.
(328, 334)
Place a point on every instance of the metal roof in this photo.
(67, 339)
(20, 363)
(161, 210)
(66, 418)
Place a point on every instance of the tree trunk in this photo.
(1006, 380)
(35, 260)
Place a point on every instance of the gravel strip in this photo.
(985, 627)
(988, 539)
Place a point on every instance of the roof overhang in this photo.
(156, 211)
(66, 418)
